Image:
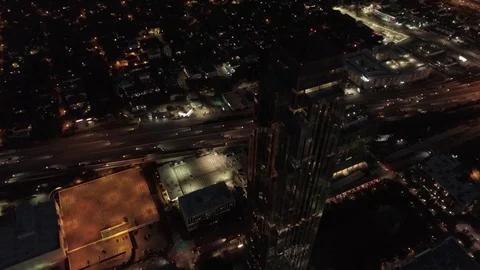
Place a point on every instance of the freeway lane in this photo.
(118, 134)
(398, 104)
(177, 152)
(120, 145)
(427, 89)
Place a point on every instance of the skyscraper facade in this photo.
(299, 114)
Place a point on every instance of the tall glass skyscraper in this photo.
(299, 114)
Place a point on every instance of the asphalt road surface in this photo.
(117, 144)
(393, 105)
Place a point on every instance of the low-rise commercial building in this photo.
(206, 205)
(384, 66)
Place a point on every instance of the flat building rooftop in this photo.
(194, 173)
(205, 199)
(105, 207)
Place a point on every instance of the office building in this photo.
(206, 205)
(299, 115)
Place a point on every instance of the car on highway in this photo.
(159, 148)
(56, 167)
(13, 159)
(85, 163)
(228, 136)
(199, 143)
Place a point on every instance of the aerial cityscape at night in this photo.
(240, 135)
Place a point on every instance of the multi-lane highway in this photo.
(105, 146)
(393, 105)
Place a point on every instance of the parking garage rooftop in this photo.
(106, 207)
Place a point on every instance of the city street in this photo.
(473, 234)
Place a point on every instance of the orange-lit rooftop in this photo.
(105, 207)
